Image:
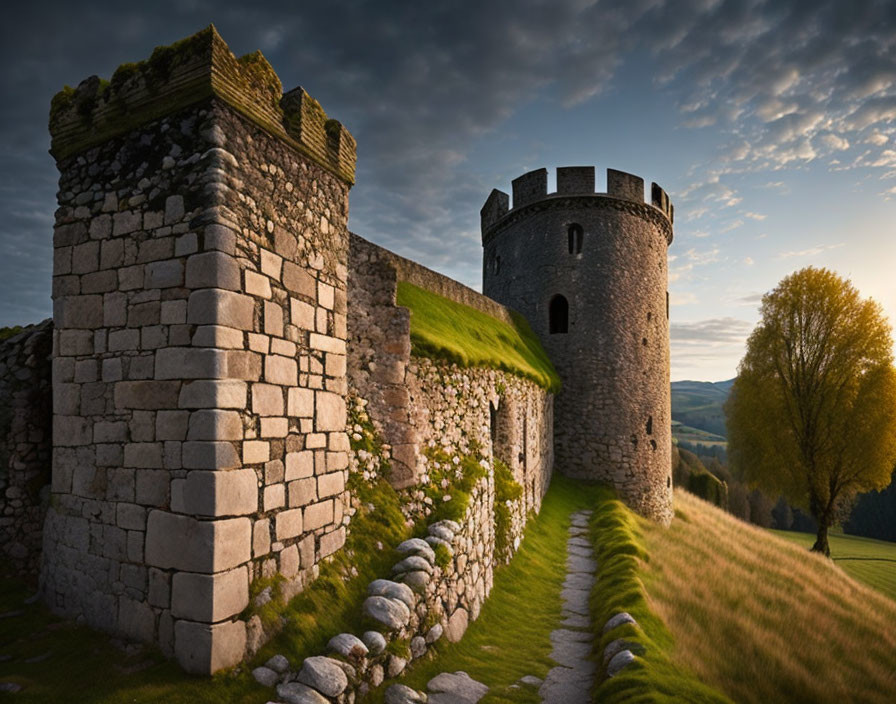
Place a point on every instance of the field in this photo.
(870, 561)
(698, 404)
(762, 619)
(685, 433)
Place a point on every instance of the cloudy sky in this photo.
(772, 125)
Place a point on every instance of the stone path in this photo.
(570, 682)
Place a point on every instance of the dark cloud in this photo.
(419, 83)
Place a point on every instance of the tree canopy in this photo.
(812, 414)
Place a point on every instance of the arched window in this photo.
(576, 235)
(558, 315)
(497, 264)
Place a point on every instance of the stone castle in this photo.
(216, 325)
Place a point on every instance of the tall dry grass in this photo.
(764, 620)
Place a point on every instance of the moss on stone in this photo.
(400, 647)
(443, 555)
(445, 329)
(506, 489)
(262, 73)
(270, 611)
(451, 482)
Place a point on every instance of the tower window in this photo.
(497, 264)
(558, 315)
(576, 235)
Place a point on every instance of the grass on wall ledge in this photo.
(444, 329)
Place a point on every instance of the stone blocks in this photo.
(209, 598)
(184, 543)
(205, 648)
(186, 374)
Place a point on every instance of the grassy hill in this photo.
(698, 404)
(865, 559)
(762, 619)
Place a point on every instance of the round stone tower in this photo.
(589, 272)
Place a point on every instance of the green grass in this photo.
(620, 551)
(6, 333)
(501, 646)
(865, 559)
(76, 664)
(511, 637)
(86, 666)
(761, 618)
(443, 329)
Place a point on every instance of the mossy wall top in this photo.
(188, 72)
(453, 322)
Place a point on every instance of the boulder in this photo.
(278, 663)
(391, 613)
(412, 563)
(395, 666)
(392, 590)
(297, 693)
(618, 620)
(401, 694)
(619, 662)
(265, 676)
(457, 625)
(418, 647)
(323, 674)
(348, 646)
(374, 641)
(459, 685)
(416, 581)
(416, 546)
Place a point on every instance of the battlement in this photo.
(188, 72)
(532, 187)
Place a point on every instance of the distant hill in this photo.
(698, 404)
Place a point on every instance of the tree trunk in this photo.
(821, 540)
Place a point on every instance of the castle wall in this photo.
(613, 414)
(457, 407)
(25, 446)
(199, 358)
(416, 402)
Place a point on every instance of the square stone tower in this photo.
(199, 289)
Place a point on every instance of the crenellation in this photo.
(183, 278)
(623, 185)
(530, 187)
(598, 270)
(216, 325)
(496, 207)
(660, 200)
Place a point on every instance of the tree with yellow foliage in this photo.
(812, 413)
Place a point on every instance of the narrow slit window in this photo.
(558, 315)
(576, 235)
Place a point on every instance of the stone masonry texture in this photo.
(25, 446)
(199, 370)
(181, 422)
(613, 415)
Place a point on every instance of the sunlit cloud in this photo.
(811, 251)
